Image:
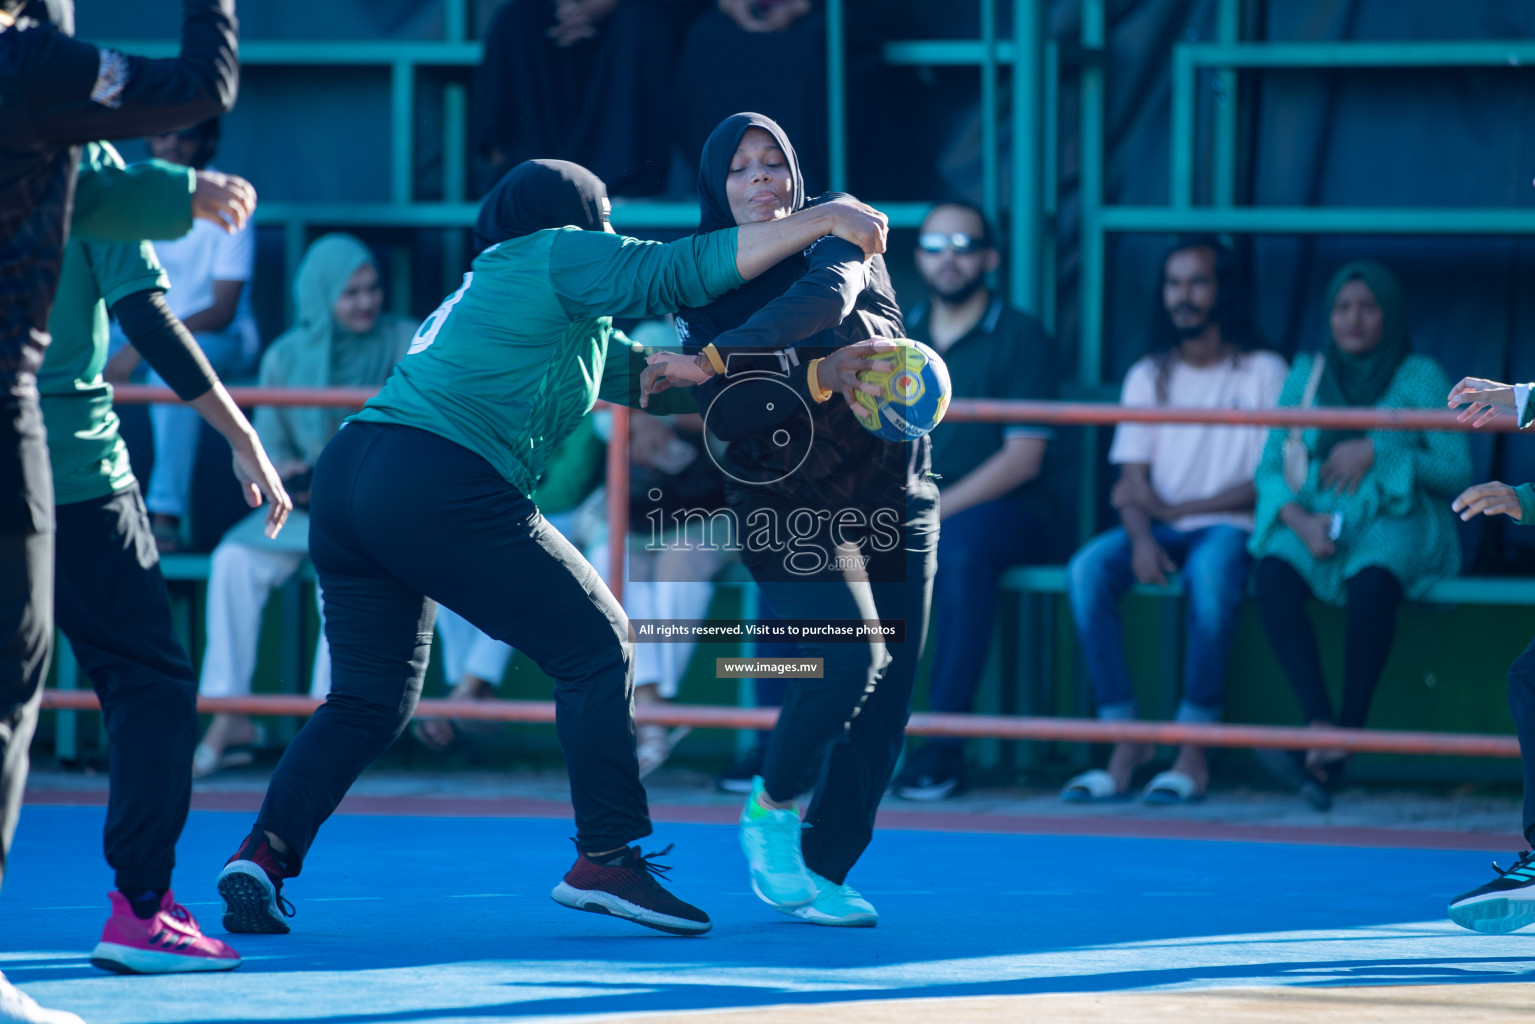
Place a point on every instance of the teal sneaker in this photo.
(770, 840)
(836, 906)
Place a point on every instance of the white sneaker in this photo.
(770, 840)
(836, 906)
(16, 1007)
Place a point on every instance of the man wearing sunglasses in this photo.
(992, 475)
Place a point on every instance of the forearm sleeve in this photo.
(166, 343)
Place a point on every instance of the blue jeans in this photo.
(974, 549)
(178, 427)
(1214, 563)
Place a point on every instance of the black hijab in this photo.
(735, 308)
(539, 194)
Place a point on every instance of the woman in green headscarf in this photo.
(341, 338)
(1359, 519)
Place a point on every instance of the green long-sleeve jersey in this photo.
(510, 362)
(151, 200)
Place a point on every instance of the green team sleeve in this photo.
(116, 203)
(599, 274)
(1526, 495)
(620, 382)
(123, 268)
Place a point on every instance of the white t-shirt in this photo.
(204, 255)
(1192, 461)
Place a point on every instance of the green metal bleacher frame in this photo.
(1032, 188)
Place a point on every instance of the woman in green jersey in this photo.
(423, 497)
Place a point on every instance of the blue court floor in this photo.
(448, 920)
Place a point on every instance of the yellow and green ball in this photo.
(914, 393)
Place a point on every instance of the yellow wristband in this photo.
(713, 355)
(813, 378)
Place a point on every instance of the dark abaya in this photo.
(606, 103)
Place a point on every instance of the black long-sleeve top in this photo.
(57, 93)
(782, 444)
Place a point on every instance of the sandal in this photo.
(656, 743)
(206, 760)
(1092, 787)
(423, 735)
(1171, 787)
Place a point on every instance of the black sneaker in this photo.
(738, 777)
(1505, 904)
(625, 886)
(251, 887)
(934, 772)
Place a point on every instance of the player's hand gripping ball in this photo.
(913, 396)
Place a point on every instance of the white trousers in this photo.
(663, 664)
(241, 580)
(467, 651)
(239, 583)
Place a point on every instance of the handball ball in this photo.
(913, 397)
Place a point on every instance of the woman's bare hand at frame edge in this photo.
(1483, 399)
(1493, 498)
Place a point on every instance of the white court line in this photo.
(486, 896)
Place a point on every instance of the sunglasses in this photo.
(959, 242)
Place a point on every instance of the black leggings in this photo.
(841, 735)
(1370, 625)
(401, 519)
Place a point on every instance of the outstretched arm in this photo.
(821, 299)
(595, 273)
(170, 348)
(76, 92)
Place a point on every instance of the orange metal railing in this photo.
(991, 726)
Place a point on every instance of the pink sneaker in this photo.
(167, 943)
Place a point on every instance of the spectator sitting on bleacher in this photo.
(1358, 519)
(992, 499)
(583, 80)
(1185, 499)
(788, 36)
(341, 339)
(210, 270)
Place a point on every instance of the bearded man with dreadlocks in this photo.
(1185, 501)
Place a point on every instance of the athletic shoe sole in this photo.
(595, 901)
(120, 959)
(1493, 914)
(250, 900)
(811, 915)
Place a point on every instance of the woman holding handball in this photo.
(423, 497)
(836, 522)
